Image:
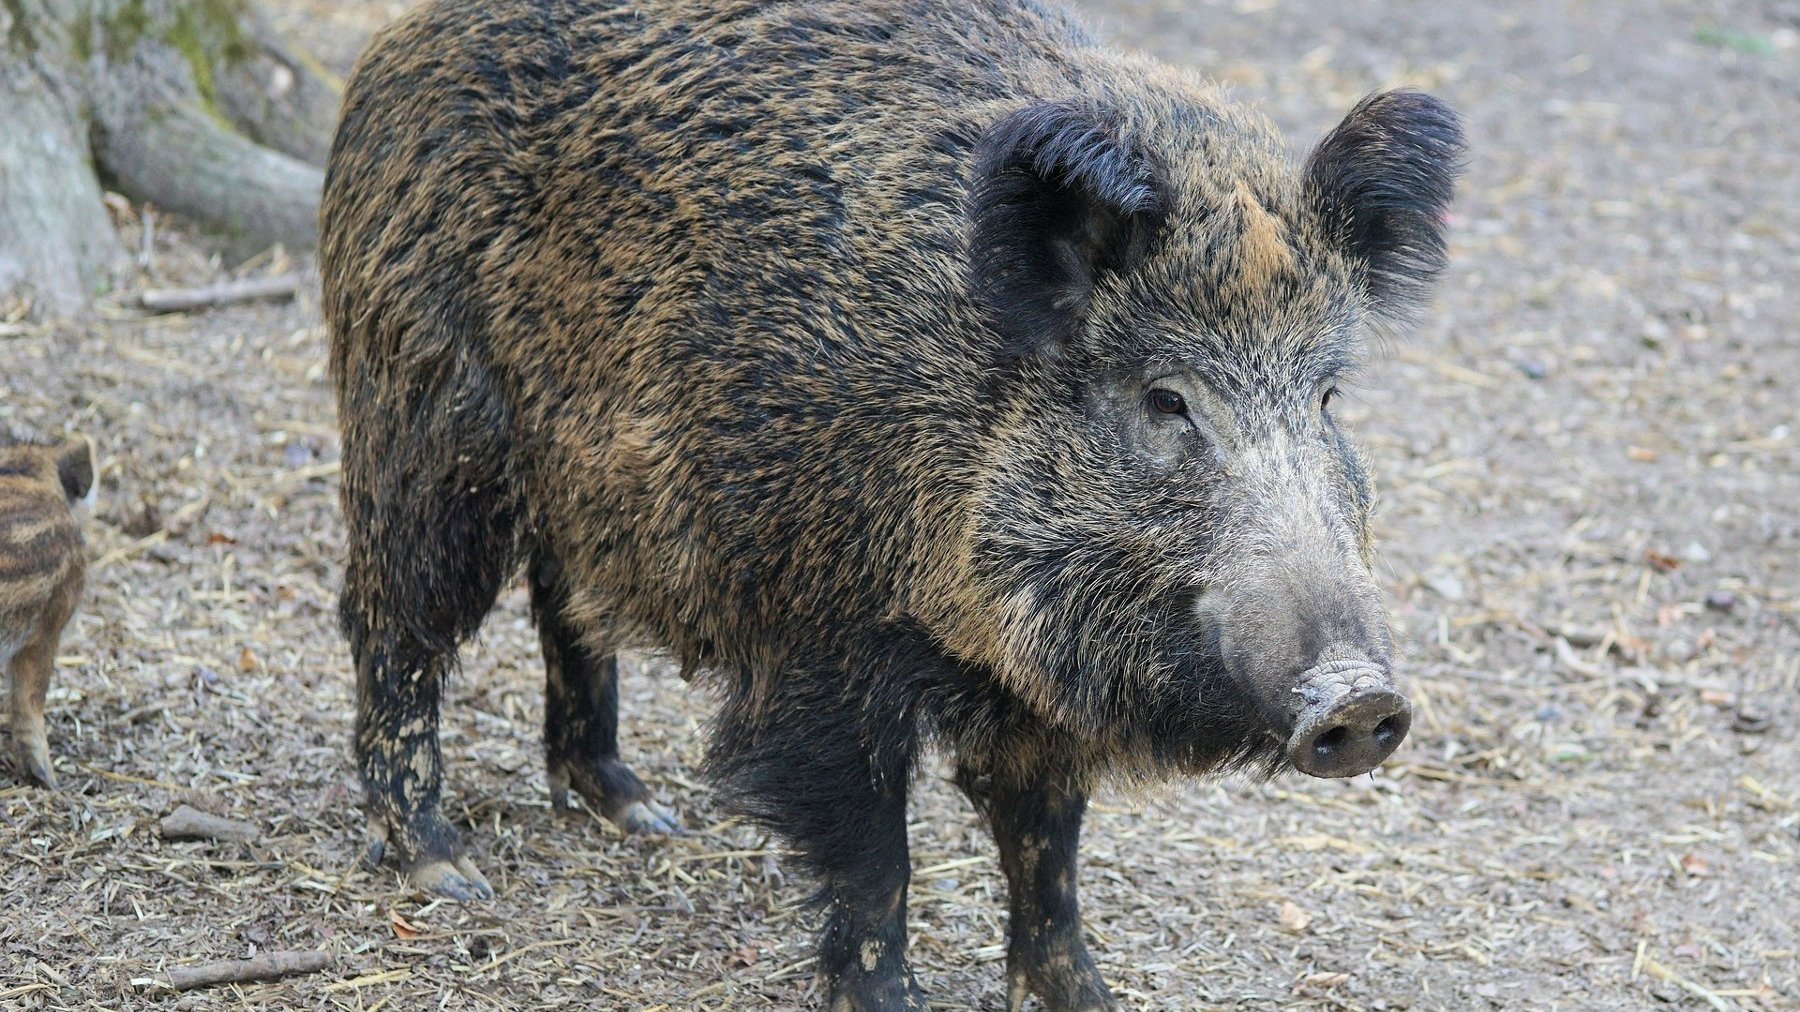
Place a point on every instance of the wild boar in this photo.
(921, 374)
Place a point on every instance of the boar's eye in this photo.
(1167, 401)
(1325, 398)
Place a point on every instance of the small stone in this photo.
(1746, 722)
(1696, 552)
(1654, 332)
(1445, 584)
(1721, 600)
(297, 454)
(1533, 370)
(1293, 920)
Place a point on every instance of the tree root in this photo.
(190, 105)
(182, 161)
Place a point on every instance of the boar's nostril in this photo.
(1389, 732)
(1331, 742)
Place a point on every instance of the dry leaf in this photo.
(1695, 866)
(1293, 919)
(247, 661)
(401, 928)
(1321, 981)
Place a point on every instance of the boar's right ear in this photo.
(1382, 182)
(1057, 201)
(75, 467)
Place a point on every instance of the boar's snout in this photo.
(1335, 710)
(1351, 718)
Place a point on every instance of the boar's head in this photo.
(1169, 546)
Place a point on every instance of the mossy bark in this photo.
(188, 104)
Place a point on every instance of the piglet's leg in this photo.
(1037, 826)
(30, 671)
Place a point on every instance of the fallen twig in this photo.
(1661, 972)
(371, 979)
(225, 293)
(268, 966)
(186, 823)
(1565, 654)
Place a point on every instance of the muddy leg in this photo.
(1037, 826)
(30, 671)
(813, 766)
(581, 726)
(862, 951)
(430, 537)
(402, 773)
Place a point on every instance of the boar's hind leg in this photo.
(402, 771)
(581, 723)
(1037, 826)
(429, 521)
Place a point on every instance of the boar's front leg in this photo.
(862, 952)
(831, 775)
(1037, 825)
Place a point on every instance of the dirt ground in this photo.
(1590, 463)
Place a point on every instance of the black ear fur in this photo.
(75, 467)
(1056, 201)
(1382, 181)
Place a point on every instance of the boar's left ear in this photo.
(1382, 182)
(1057, 201)
(75, 467)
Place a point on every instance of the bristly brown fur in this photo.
(42, 564)
(799, 341)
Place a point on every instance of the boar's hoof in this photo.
(34, 761)
(877, 994)
(1093, 997)
(454, 878)
(1351, 735)
(611, 789)
(432, 865)
(647, 817)
(1064, 983)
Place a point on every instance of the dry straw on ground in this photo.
(1591, 526)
